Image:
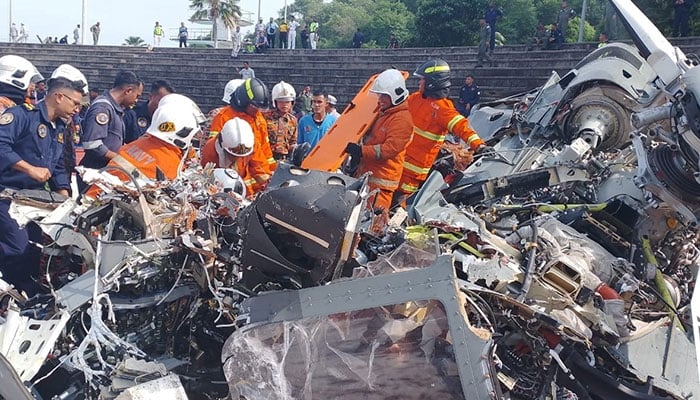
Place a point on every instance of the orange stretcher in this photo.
(351, 126)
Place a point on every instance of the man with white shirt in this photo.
(292, 35)
(246, 72)
(236, 38)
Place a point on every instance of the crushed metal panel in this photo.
(167, 387)
(12, 386)
(284, 312)
(27, 342)
(666, 354)
(78, 292)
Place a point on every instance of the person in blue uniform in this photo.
(138, 118)
(31, 157)
(469, 96)
(103, 126)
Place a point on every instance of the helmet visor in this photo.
(239, 151)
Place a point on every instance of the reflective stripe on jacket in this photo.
(432, 120)
(385, 145)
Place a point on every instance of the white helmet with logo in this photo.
(236, 138)
(176, 98)
(72, 74)
(174, 123)
(283, 91)
(230, 88)
(18, 72)
(391, 83)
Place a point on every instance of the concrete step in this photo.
(202, 73)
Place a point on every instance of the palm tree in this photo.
(212, 10)
(134, 41)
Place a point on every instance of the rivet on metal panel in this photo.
(390, 292)
(431, 285)
(388, 285)
(349, 298)
(349, 291)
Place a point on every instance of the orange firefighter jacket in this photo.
(242, 165)
(432, 120)
(144, 155)
(384, 147)
(263, 161)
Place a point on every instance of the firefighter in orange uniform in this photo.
(384, 146)
(164, 147)
(233, 148)
(228, 91)
(434, 115)
(246, 103)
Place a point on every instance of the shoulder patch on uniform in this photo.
(59, 138)
(6, 118)
(102, 118)
(41, 130)
(142, 122)
(28, 106)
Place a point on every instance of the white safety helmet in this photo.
(230, 181)
(391, 83)
(332, 100)
(236, 138)
(230, 88)
(174, 123)
(283, 91)
(73, 74)
(18, 72)
(176, 98)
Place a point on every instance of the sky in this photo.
(119, 19)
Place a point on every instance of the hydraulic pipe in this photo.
(659, 281)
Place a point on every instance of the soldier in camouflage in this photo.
(281, 123)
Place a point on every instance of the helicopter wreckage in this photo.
(561, 265)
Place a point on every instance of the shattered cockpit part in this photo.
(403, 334)
(300, 232)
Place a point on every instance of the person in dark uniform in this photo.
(138, 118)
(31, 157)
(469, 95)
(681, 14)
(72, 124)
(103, 126)
(492, 15)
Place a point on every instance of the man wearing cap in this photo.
(331, 110)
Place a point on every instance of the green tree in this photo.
(339, 19)
(134, 41)
(518, 22)
(211, 10)
(389, 17)
(448, 22)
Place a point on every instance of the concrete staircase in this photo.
(202, 73)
